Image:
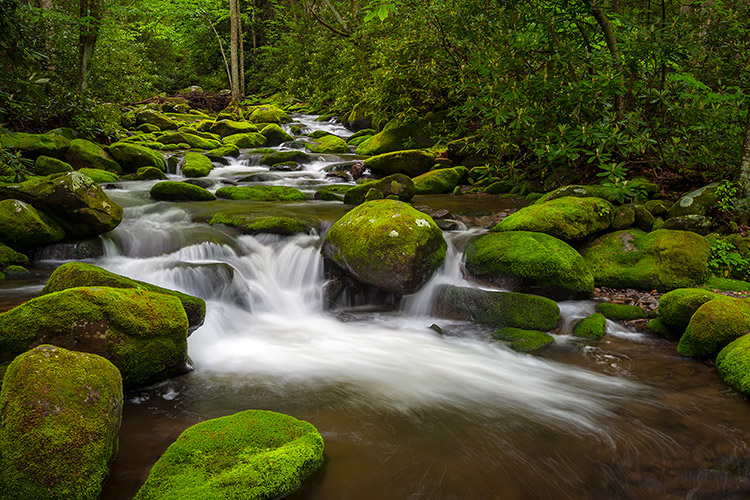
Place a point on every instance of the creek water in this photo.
(406, 412)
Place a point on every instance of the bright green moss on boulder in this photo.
(439, 181)
(252, 224)
(523, 340)
(251, 455)
(657, 326)
(198, 142)
(196, 165)
(268, 114)
(46, 165)
(396, 135)
(261, 193)
(150, 174)
(143, 333)
(132, 156)
(153, 117)
(536, 261)
(24, 227)
(697, 202)
(103, 176)
(226, 150)
(497, 309)
(78, 274)
(386, 244)
(230, 127)
(275, 135)
(591, 327)
(8, 257)
(398, 184)
(34, 145)
(678, 306)
(620, 312)
(569, 219)
(411, 162)
(733, 364)
(714, 325)
(285, 156)
(246, 140)
(87, 154)
(663, 259)
(180, 191)
(60, 413)
(328, 144)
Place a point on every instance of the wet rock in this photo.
(131, 157)
(439, 181)
(261, 193)
(24, 227)
(86, 154)
(714, 325)
(523, 340)
(225, 128)
(196, 165)
(397, 184)
(412, 163)
(180, 191)
(253, 224)
(329, 144)
(591, 327)
(697, 202)
(733, 364)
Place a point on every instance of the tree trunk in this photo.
(90, 15)
(234, 48)
(745, 160)
(242, 51)
(614, 51)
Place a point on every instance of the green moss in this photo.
(180, 191)
(196, 165)
(149, 174)
(663, 259)
(60, 416)
(103, 176)
(678, 306)
(275, 135)
(34, 145)
(198, 142)
(78, 274)
(591, 327)
(356, 141)
(268, 113)
(86, 154)
(325, 194)
(538, 261)
(261, 193)
(200, 133)
(396, 135)
(620, 312)
(733, 364)
(252, 455)
(367, 132)
(714, 325)
(230, 127)
(524, 340)
(147, 128)
(411, 162)
(131, 156)
(8, 257)
(247, 140)
(397, 184)
(16, 272)
(624, 218)
(659, 327)
(387, 244)
(569, 219)
(251, 224)
(24, 227)
(224, 151)
(286, 156)
(726, 285)
(46, 165)
(439, 181)
(497, 309)
(155, 118)
(329, 144)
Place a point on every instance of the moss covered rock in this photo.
(196, 165)
(261, 193)
(150, 174)
(678, 306)
(8, 257)
(697, 202)
(230, 127)
(143, 333)
(131, 156)
(80, 274)
(496, 309)
(386, 244)
(268, 114)
(24, 227)
(34, 145)
(620, 312)
(104, 176)
(569, 219)
(87, 154)
(696, 223)
(224, 151)
(411, 162)
(252, 455)
(60, 413)
(199, 142)
(285, 156)
(328, 144)
(153, 117)
(180, 191)
(398, 184)
(275, 135)
(662, 259)
(246, 140)
(253, 224)
(523, 340)
(46, 165)
(591, 327)
(439, 181)
(536, 261)
(733, 364)
(714, 325)
(396, 135)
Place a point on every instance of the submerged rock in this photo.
(714, 325)
(59, 416)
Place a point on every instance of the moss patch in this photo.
(246, 140)
(678, 306)
(250, 224)
(196, 165)
(104, 176)
(87, 154)
(328, 144)
(733, 364)
(591, 327)
(24, 227)
(180, 191)
(620, 312)
(714, 325)
(524, 340)
(46, 165)
(411, 162)
(398, 184)
(131, 156)
(439, 181)
(261, 193)
(275, 135)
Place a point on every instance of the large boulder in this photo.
(277, 157)
(24, 227)
(328, 144)
(569, 219)
(133, 156)
(439, 181)
(198, 142)
(275, 135)
(714, 325)
(254, 224)
(142, 333)
(268, 113)
(231, 127)
(535, 261)
(73, 199)
(386, 244)
(246, 140)
(80, 274)
(157, 118)
(678, 306)
(60, 414)
(733, 364)
(34, 145)
(8, 257)
(662, 259)
(87, 154)
(697, 202)
(180, 191)
(46, 165)
(411, 162)
(397, 136)
(253, 455)
(105, 176)
(261, 193)
(394, 185)
(496, 309)
(196, 165)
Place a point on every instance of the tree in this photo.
(235, 51)
(90, 18)
(745, 160)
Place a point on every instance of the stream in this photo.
(406, 412)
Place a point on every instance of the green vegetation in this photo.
(733, 364)
(591, 327)
(620, 312)
(523, 340)
(714, 325)
(250, 224)
(261, 193)
(180, 191)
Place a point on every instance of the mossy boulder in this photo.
(663, 260)
(196, 165)
(153, 117)
(386, 244)
(569, 219)
(227, 150)
(714, 325)
(180, 191)
(252, 455)
(46, 165)
(198, 142)
(9, 257)
(733, 364)
(523, 340)
(697, 202)
(17, 273)
(275, 135)
(230, 127)
(60, 413)
(591, 327)
(253, 224)
(398, 185)
(246, 140)
(496, 309)
(620, 312)
(24, 227)
(624, 218)
(396, 135)
(277, 157)
(439, 181)
(73, 200)
(150, 174)
(87, 154)
(696, 223)
(261, 193)
(80, 274)
(133, 156)
(328, 144)
(678, 306)
(535, 261)
(268, 114)
(104, 176)
(143, 333)
(34, 145)
(411, 162)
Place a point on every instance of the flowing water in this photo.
(406, 412)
